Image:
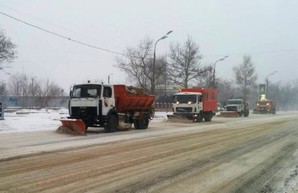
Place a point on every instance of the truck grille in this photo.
(83, 111)
(184, 109)
(232, 108)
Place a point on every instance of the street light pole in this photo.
(153, 67)
(267, 81)
(109, 77)
(213, 82)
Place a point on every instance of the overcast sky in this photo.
(266, 30)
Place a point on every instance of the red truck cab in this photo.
(195, 103)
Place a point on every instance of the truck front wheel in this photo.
(246, 113)
(112, 124)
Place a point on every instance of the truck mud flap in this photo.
(75, 125)
(229, 114)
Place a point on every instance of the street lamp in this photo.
(109, 76)
(154, 56)
(267, 81)
(213, 82)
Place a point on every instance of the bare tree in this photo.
(245, 76)
(31, 91)
(284, 95)
(7, 49)
(18, 84)
(206, 78)
(185, 64)
(138, 65)
(226, 90)
(49, 90)
(34, 87)
(3, 89)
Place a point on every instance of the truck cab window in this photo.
(92, 92)
(82, 91)
(185, 98)
(76, 92)
(107, 92)
(200, 98)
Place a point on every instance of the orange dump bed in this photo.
(132, 100)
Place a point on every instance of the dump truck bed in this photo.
(132, 100)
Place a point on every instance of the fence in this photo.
(38, 102)
(166, 107)
(1, 111)
(35, 102)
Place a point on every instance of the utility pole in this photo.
(214, 66)
(267, 82)
(154, 58)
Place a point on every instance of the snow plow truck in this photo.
(100, 105)
(194, 104)
(235, 108)
(264, 106)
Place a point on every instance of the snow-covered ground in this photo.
(40, 120)
(31, 120)
(25, 120)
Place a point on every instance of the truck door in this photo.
(200, 103)
(108, 100)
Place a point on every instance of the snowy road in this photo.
(255, 154)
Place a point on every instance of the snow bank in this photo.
(26, 120)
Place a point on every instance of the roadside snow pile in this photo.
(161, 116)
(26, 120)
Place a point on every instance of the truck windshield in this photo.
(234, 102)
(83, 91)
(185, 98)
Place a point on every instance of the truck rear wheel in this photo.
(141, 123)
(112, 124)
(208, 118)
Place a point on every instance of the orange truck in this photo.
(100, 105)
(264, 106)
(195, 104)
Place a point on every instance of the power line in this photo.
(62, 36)
(53, 24)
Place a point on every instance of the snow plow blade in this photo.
(229, 114)
(179, 118)
(75, 125)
